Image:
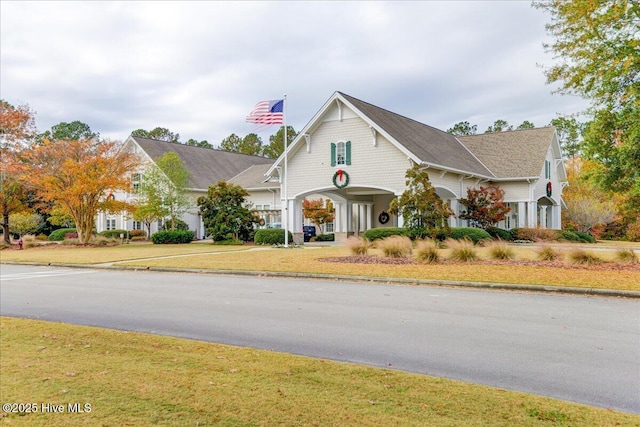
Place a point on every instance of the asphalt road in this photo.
(576, 348)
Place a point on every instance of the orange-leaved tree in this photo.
(77, 176)
(16, 129)
(319, 211)
(484, 207)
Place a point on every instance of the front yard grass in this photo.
(205, 256)
(310, 261)
(60, 254)
(138, 379)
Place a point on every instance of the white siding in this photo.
(382, 166)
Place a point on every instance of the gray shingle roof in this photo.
(427, 143)
(254, 177)
(205, 166)
(512, 154)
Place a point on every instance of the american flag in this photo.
(267, 113)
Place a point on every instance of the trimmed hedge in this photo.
(473, 234)
(114, 234)
(175, 236)
(58, 235)
(325, 238)
(499, 233)
(271, 236)
(373, 234)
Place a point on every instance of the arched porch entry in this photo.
(548, 213)
(450, 198)
(357, 209)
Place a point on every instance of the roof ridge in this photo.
(508, 131)
(394, 113)
(204, 148)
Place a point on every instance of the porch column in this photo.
(295, 216)
(349, 218)
(455, 207)
(369, 216)
(543, 217)
(362, 215)
(556, 217)
(400, 218)
(532, 215)
(522, 214)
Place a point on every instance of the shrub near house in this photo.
(172, 236)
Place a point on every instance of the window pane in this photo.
(341, 153)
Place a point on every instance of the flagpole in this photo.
(286, 199)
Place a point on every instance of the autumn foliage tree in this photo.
(76, 176)
(319, 211)
(484, 206)
(419, 204)
(16, 128)
(597, 52)
(587, 205)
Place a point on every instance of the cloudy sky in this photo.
(198, 68)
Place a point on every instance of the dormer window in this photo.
(340, 153)
(135, 182)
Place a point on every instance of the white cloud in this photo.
(197, 68)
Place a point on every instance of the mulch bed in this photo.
(372, 259)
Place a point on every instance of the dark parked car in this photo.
(309, 232)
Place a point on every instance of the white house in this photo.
(357, 154)
(206, 167)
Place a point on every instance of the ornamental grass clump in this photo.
(626, 256)
(427, 250)
(580, 256)
(396, 246)
(547, 253)
(358, 245)
(500, 250)
(462, 250)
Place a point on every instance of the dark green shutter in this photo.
(348, 152)
(333, 154)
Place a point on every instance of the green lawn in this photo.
(205, 256)
(132, 379)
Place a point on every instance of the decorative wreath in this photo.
(549, 189)
(340, 176)
(261, 221)
(383, 218)
(111, 197)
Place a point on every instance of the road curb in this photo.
(378, 280)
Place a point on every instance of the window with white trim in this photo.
(341, 154)
(547, 169)
(135, 182)
(111, 223)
